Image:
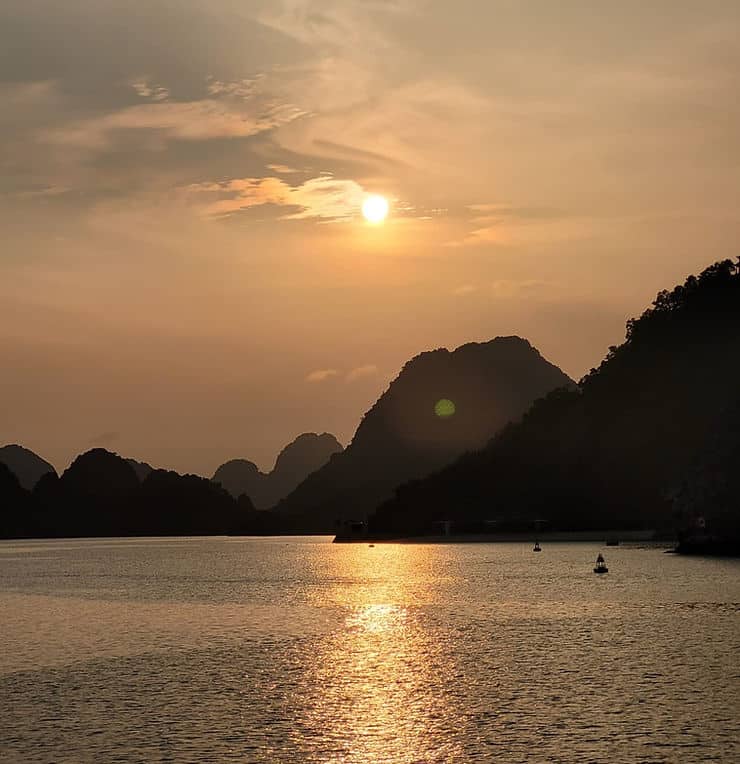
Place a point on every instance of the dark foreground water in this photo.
(296, 650)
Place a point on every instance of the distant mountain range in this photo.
(490, 436)
(442, 404)
(102, 494)
(306, 454)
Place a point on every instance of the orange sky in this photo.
(185, 275)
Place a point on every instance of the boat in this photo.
(537, 547)
(600, 565)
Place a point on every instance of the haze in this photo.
(185, 272)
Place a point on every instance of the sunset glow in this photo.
(375, 208)
(360, 360)
(246, 208)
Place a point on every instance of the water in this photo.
(296, 650)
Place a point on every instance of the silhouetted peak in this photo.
(503, 343)
(703, 312)
(509, 348)
(499, 346)
(27, 466)
(458, 399)
(240, 476)
(306, 453)
(241, 467)
(100, 472)
(441, 404)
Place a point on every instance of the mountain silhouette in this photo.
(187, 505)
(307, 453)
(240, 476)
(488, 436)
(101, 494)
(442, 404)
(24, 464)
(611, 453)
(94, 496)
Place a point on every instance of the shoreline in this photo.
(604, 537)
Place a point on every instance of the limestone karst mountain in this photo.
(442, 404)
(307, 453)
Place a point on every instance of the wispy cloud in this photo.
(506, 224)
(362, 372)
(282, 169)
(323, 197)
(230, 110)
(183, 120)
(244, 88)
(503, 288)
(508, 288)
(45, 191)
(321, 375)
(145, 89)
(106, 438)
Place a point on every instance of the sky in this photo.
(185, 275)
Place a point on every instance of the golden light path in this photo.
(375, 208)
(379, 684)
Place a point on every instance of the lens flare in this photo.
(444, 408)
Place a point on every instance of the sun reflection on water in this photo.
(377, 618)
(380, 681)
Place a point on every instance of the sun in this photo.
(375, 208)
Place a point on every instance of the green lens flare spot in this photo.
(444, 408)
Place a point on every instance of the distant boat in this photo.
(612, 542)
(537, 547)
(600, 565)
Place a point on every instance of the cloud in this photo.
(361, 372)
(504, 289)
(508, 288)
(517, 233)
(235, 109)
(282, 169)
(327, 197)
(183, 120)
(244, 88)
(510, 225)
(50, 190)
(321, 375)
(323, 197)
(105, 438)
(144, 89)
